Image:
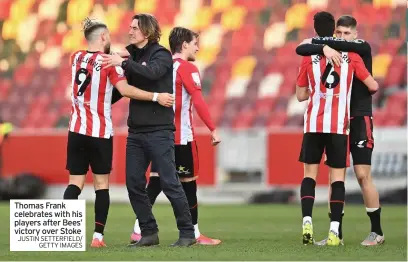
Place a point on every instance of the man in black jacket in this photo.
(151, 130)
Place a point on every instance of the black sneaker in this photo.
(184, 242)
(146, 241)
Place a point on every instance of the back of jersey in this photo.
(92, 94)
(330, 91)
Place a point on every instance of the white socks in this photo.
(334, 226)
(307, 219)
(196, 231)
(136, 228)
(97, 235)
(371, 209)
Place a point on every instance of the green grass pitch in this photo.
(248, 232)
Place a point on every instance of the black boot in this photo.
(184, 242)
(146, 241)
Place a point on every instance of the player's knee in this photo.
(78, 181)
(311, 170)
(101, 182)
(363, 174)
(337, 174)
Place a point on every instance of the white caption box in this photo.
(47, 225)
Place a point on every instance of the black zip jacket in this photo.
(151, 69)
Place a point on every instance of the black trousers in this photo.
(157, 146)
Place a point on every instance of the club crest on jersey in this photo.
(196, 79)
(120, 71)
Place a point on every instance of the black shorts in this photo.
(186, 160)
(335, 145)
(361, 139)
(83, 151)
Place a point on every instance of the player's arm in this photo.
(192, 83)
(302, 82)
(309, 49)
(358, 46)
(161, 61)
(123, 53)
(361, 72)
(371, 84)
(306, 48)
(302, 93)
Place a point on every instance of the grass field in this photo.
(248, 232)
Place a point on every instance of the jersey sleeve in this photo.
(116, 74)
(309, 49)
(192, 83)
(302, 79)
(360, 71)
(191, 78)
(358, 46)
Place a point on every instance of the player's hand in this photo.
(111, 60)
(332, 55)
(165, 99)
(122, 53)
(306, 41)
(215, 139)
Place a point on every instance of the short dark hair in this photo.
(149, 26)
(347, 21)
(90, 25)
(178, 36)
(324, 24)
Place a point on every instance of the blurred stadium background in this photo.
(248, 63)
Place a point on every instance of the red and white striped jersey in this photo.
(328, 109)
(186, 79)
(92, 94)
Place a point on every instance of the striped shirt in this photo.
(328, 109)
(92, 86)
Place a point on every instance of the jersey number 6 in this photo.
(330, 78)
